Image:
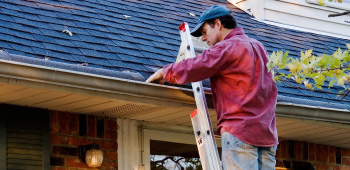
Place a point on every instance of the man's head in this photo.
(214, 19)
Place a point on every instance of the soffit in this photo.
(333, 134)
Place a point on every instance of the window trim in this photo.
(167, 136)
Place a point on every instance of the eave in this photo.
(57, 89)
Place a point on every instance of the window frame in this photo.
(167, 136)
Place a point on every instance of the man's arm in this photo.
(195, 69)
(156, 77)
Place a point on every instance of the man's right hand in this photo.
(156, 77)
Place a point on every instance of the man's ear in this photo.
(218, 23)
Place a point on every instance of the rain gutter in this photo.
(313, 113)
(36, 76)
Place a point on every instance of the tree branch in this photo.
(339, 14)
(345, 94)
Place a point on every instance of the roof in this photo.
(128, 38)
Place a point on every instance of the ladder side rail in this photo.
(201, 121)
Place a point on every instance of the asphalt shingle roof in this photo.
(137, 36)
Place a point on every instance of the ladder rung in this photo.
(199, 49)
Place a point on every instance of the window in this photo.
(164, 143)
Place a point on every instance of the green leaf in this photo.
(319, 80)
(331, 83)
(321, 2)
(318, 86)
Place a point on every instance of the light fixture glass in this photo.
(94, 158)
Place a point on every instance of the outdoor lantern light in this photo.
(91, 154)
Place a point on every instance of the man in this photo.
(244, 92)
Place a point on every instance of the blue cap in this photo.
(210, 13)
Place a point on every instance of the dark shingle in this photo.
(142, 43)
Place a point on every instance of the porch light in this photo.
(91, 154)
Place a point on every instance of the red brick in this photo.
(305, 151)
(299, 150)
(111, 134)
(284, 149)
(279, 163)
(111, 155)
(64, 150)
(278, 151)
(332, 158)
(312, 152)
(319, 166)
(107, 144)
(57, 139)
(345, 152)
(340, 167)
(319, 156)
(91, 126)
(112, 124)
(74, 123)
(55, 168)
(345, 160)
(75, 162)
(325, 153)
(76, 141)
(109, 165)
(55, 126)
(64, 122)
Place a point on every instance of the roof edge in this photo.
(35, 76)
(313, 113)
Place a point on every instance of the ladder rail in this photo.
(200, 118)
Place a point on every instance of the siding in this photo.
(298, 13)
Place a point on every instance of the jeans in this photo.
(238, 155)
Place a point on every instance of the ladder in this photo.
(201, 123)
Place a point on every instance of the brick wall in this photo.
(304, 156)
(69, 130)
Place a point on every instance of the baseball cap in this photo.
(210, 13)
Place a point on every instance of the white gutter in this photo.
(89, 84)
(313, 113)
(35, 76)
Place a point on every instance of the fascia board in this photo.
(135, 91)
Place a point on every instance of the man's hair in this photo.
(228, 21)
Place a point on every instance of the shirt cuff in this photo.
(167, 73)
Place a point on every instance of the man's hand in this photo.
(156, 77)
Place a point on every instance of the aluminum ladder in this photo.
(201, 123)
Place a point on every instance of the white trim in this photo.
(302, 29)
(258, 8)
(149, 135)
(129, 150)
(241, 4)
(345, 5)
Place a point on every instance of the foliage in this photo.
(179, 162)
(312, 71)
(321, 2)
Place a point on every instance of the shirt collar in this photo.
(236, 31)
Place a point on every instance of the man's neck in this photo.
(224, 33)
